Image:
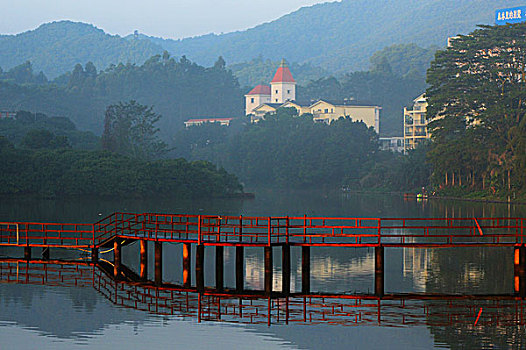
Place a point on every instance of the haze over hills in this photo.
(55, 48)
(338, 37)
(341, 36)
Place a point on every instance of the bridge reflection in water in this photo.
(260, 307)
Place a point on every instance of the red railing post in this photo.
(199, 229)
(240, 228)
(269, 228)
(522, 231)
(287, 230)
(93, 231)
(379, 232)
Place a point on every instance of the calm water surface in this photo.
(55, 317)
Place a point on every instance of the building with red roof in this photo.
(282, 89)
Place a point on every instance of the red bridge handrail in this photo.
(261, 231)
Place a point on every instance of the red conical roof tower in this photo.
(283, 74)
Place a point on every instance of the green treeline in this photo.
(288, 150)
(16, 129)
(177, 89)
(68, 172)
(477, 98)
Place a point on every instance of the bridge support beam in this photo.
(27, 252)
(519, 262)
(240, 268)
(45, 253)
(94, 255)
(305, 269)
(220, 268)
(268, 269)
(379, 271)
(158, 262)
(144, 259)
(199, 268)
(187, 271)
(116, 257)
(285, 267)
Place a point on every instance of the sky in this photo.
(165, 18)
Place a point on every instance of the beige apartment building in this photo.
(415, 124)
(281, 93)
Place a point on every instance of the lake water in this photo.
(69, 317)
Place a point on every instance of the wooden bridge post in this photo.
(520, 270)
(305, 269)
(187, 272)
(94, 255)
(268, 269)
(240, 268)
(199, 268)
(220, 269)
(379, 271)
(27, 252)
(116, 257)
(285, 267)
(158, 247)
(144, 259)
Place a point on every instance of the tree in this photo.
(44, 139)
(129, 129)
(476, 97)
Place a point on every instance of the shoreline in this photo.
(413, 195)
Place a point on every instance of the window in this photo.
(276, 100)
(288, 91)
(252, 100)
(332, 110)
(277, 91)
(326, 110)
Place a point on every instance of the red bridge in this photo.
(121, 229)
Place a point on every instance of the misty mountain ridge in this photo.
(56, 47)
(341, 36)
(334, 37)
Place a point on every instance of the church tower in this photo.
(283, 86)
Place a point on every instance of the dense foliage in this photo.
(16, 131)
(340, 36)
(67, 172)
(178, 89)
(288, 150)
(129, 129)
(405, 60)
(55, 48)
(477, 95)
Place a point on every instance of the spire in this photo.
(283, 74)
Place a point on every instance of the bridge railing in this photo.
(117, 224)
(46, 234)
(318, 231)
(452, 231)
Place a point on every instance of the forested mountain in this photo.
(57, 47)
(178, 90)
(341, 36)
(338, 36)
(259, 71)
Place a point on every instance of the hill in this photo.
(55, 48)
(341, 36)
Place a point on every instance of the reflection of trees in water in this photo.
(474, 271)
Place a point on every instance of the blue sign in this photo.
(511, 15)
